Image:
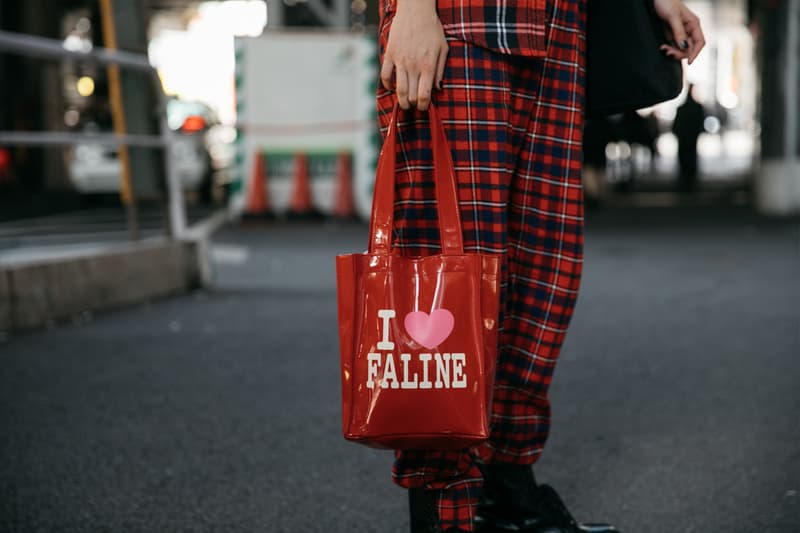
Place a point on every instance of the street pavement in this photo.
(676, 400)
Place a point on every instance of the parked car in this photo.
(194, 117)
(95, 169)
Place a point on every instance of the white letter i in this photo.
(386, 314)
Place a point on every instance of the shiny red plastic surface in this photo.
(418, 335)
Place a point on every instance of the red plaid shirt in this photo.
(507, 26)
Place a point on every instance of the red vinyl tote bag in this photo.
(418, 335)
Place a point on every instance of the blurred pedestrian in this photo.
(637, 131)
(596, 136)
(687, 128)
(508, 82)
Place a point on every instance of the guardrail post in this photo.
(118, 118)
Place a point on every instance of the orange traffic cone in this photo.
(343, 206)
(258, 195)
(300, 205)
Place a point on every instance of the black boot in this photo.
(512, 501)
(422, 508)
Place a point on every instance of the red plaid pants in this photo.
(515, 128)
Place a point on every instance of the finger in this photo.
(440, 64)
(696, 37)
(413, 88)
(690, 26)
(699, 48)
(401, 82)
(668, 48)
(386, 72)
(425, 88)
(672, 52)
(681, 40)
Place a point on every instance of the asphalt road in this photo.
(676, 400)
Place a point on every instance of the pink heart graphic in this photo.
(429, 330)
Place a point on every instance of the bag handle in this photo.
(382, 219)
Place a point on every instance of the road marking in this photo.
(226, 254)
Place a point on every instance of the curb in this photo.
(37, 292)
(199, 235)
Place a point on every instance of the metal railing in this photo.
(43, 48)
